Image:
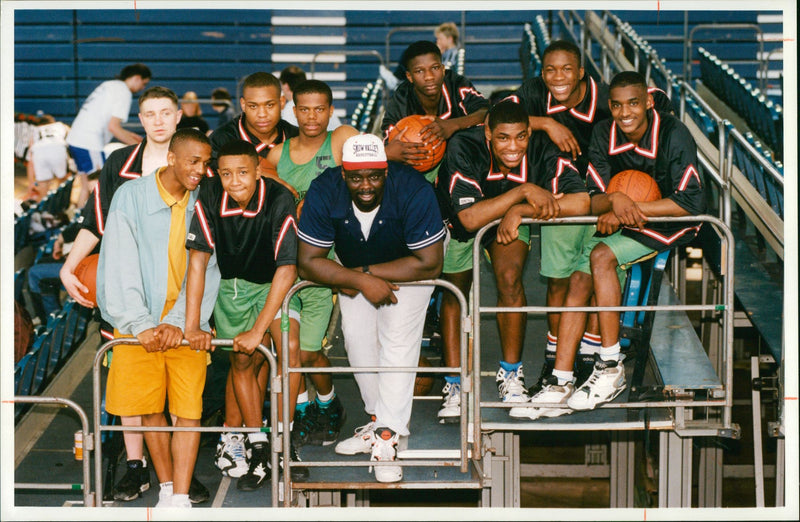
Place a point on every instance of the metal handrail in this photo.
(275, 385)
(726, 308)
(463, 370)
(687, 51)
(87, 447)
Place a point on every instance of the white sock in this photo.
(610, 353)
(258, 436)
(563, 376)
(327, 397)
(180, 498)
(590, 344)
(303, 397)
(166, 488)
(552, 341)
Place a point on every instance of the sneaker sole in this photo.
(142, 489)
(598, 403)
(450, 419)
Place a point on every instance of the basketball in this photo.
(637, 185)
(423, 384)
(86, 272)
(414, 124)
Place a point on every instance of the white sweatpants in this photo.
(388, 336)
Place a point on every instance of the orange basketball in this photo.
(86, 272)
(423, 384)
(414, 124)
(637, 185)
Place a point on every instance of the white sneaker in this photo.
(511, 387)
(550, 393)
(606, 382)
(451, 405)
(231, 455)
(384, 449)
(181, 501)
(361, 442)
(165, 497)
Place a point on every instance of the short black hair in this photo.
(292, 75)
(239, 148)
(562, 45)
(312, 87)
(135, 69)
(419, 48)
(221, 94)
(187, 134)
(261, 79)
(626, 78)
(507, 111)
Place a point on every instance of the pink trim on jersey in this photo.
(448, 102)
(123, 172)
(522, 177)
(201, 217)
(667, 240)
(688, 174)
(458, 176)
(101, 227)
(614, 149)
(588, 116)
(225, 211)
(462, 92)
(560, 166)
(289, 221)
(243, 134)
(106, 334)
(598, 179)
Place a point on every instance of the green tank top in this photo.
(301, 176)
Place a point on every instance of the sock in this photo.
(510, 367)
(552, 341)
(452, 379)
(610, 353)
(590, 344)
(180, 498)
(302, 398)
(258, 436)
(324, 400)
(280, 426)
(563, 376)
(166, 487)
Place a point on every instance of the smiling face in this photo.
(188, 162)
(629, 105)
(239, 176)
(313, 111)
(509, 142)
(262, 109)
(562, 74)
(365, 187)
(426, 74)
(159, 117)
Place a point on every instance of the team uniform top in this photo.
(122, 165)
(237, 130)
(666, 152)
(89, 130)
(300, 176)
(468, 174)
(250, 243)
(408, 218)
(459, 98)
(593, 108)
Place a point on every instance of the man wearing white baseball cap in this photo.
(383, 220)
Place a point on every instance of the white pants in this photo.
(387, 336)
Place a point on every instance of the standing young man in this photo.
(299, 161)
(140, 274)
(384, 223)
(641, 138)
(504, 171)
(567, 104)
(100, 119)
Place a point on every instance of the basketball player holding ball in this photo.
(640, 138)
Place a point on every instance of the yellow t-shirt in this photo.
(177, 243)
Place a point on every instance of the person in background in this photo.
(192, 114)
(447, 42)
(222, 105)
(290, 77)
(48, 160)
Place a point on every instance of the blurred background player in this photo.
(48, 160)
(641, 138)
(222, 106)
(192, 114)
(299, 161)
(290, 77)
(100, 119)
(518, 175)
(447, 42)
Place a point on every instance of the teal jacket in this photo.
(132, 270)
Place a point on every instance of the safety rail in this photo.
(687, 50)
(275, 385)
(726, 308)
(463, 370)
(86, 486)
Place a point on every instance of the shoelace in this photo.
(370, 426)
(512, 383)
(236, 447)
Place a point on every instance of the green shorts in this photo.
(316, 306)
(432, 174)
(562, 248)
(627, 251)
(238, 304)
(458, 256)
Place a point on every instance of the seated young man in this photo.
(503, 171)
(639, 138)
(249, 223)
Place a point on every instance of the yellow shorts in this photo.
(139, 382)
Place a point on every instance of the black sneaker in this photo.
(198, 493)
(584, 366)
(297, 473)
(258, 473)
(135, 482)
(547, 369)
(329, 422)
(305, 422)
